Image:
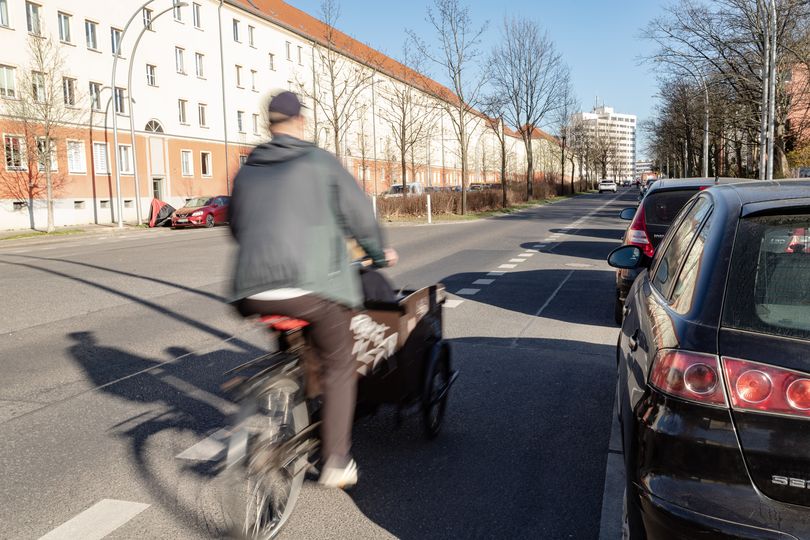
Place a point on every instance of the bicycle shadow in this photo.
(172, 408)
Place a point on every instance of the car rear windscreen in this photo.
(661, 207)
(769, 287)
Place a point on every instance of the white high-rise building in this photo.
(620, 130)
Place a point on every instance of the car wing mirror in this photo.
(628, 258)
(628, 214)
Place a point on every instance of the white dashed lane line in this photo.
(483, 282)
(97, 521)
(508, 266)
(452, 303)
(209, 449)
(468, 292)
(496, 274)
(517, 260)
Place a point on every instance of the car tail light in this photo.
(760, 387)
(690, 375)
(638, 233)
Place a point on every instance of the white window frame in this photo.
(288, 45)
(235, 26)
(255, 124)
(252, 36)
(81, 159)
(95, 97)
(196, 15)
(69, 91)
(239, 76)
(240, 121)
(186, 166)
(115, 44)
(106, 154)
(23, 158)
(8, 74)
(33, 18)
(63, 22)
(4, 20)
(54, 157)
(182, 111)
(125, 164)
(300, 55)
(199, 65)
(177, 12)
(272, 58)
(38, 86)
(88, 24)
(151, 75)
(179, 60)
(202, 114)
(253, 80)
(147, 18)
(206, 163)
(120, 100)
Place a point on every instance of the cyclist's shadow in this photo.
(134, 378)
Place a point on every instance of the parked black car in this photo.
(714, 369)
(651, 220)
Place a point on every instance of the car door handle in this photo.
(633, 341)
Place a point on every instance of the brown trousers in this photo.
(331, 340)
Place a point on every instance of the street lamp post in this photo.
(119, 201)
(131, 112)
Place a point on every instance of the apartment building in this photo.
(189, 102)
(618, 130)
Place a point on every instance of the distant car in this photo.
(414, 188)
(713, 392)
(202, 212)
(650, 222)
(606, 185)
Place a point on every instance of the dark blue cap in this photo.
(284, 105)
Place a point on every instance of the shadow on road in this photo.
(580, 249)
(521, 454)
(607, 234)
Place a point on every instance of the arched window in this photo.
(154, 126)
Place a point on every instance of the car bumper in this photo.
(689, 477)
(197, 221)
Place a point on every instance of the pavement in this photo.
(113, 349)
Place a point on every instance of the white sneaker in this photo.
(339, 477)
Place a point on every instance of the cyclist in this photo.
(292, 208)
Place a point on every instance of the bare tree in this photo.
(604, 148)
(564, 120)
(43, 113)
(456, 55)
(364, 144)
(529, 72)
(338, 80)
(407, 111)
(493, 107)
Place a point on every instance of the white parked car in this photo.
(607, 185)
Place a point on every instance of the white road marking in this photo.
(496, 274)
(517, 260)
(540, 246)
(579, 265)
(508, 266)
(532, 251)
(483, 281)
(97, 521)
(199, 394)
(526, 255)
(208, 449)
(453, 303)
(543, 307)
(468, 292)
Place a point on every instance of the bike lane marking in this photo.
(483, 282)
(97, 521)
(452, 303)
(209, 449)
(469, 292)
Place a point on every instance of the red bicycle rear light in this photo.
(688, 375)
(753, 386)
(760, 387)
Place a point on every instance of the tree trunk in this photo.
(529, 169)
(463, 141)
(562, 173)
(49, 186)
(404, 169)
(503, 173)
(573, 173)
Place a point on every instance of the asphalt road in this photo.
(112, 350)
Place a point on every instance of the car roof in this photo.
(755, 192)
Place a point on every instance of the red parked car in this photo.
(202, 212)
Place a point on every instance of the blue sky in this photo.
(599, 39)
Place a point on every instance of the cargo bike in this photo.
(402, 361)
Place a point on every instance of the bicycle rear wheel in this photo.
(268, 456)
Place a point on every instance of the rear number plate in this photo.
(182, 220)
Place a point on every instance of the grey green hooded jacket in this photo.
(292, 208)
